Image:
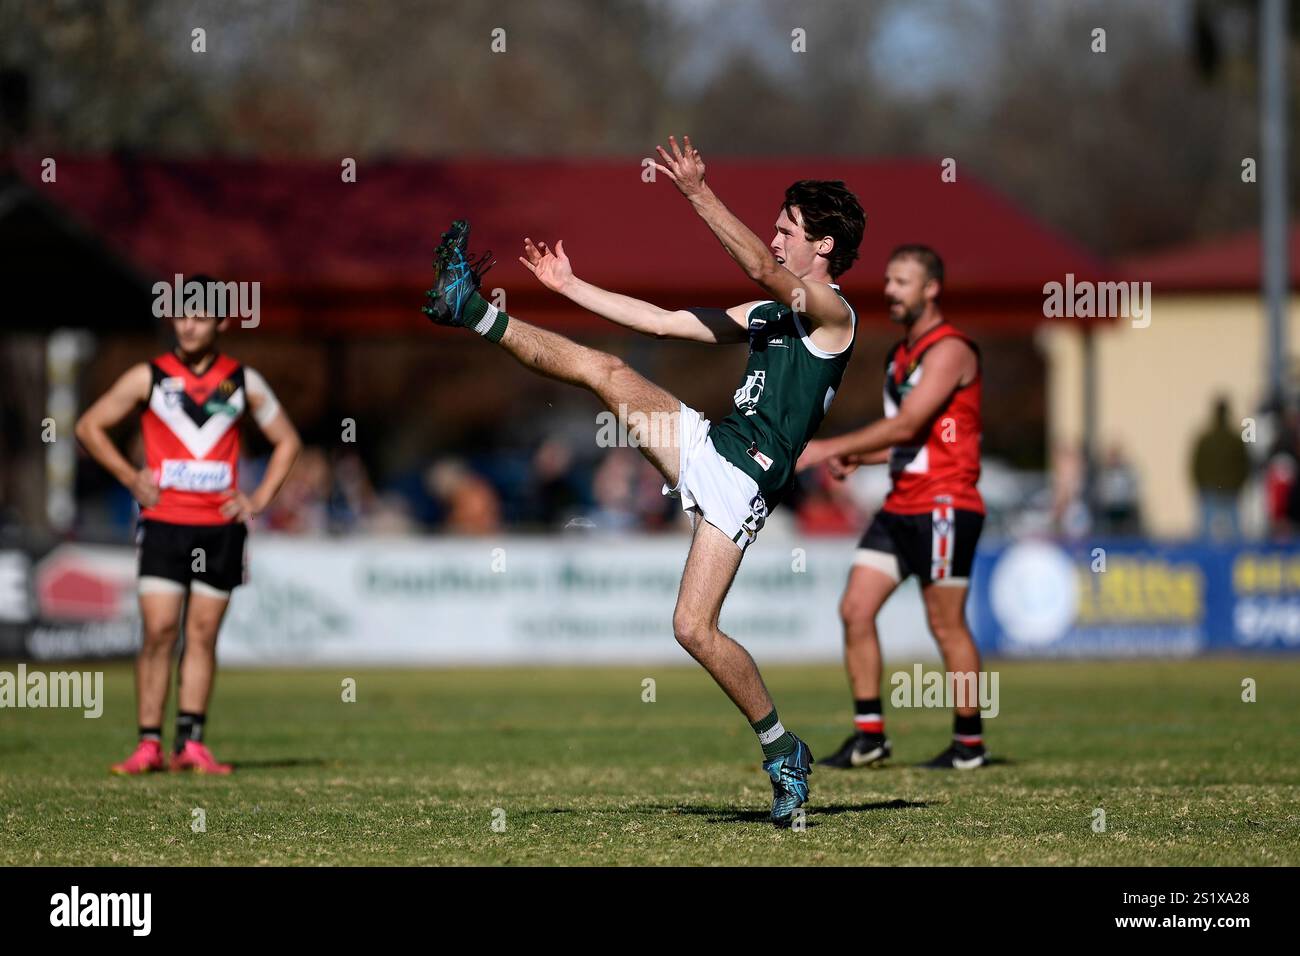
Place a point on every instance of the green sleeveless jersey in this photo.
(788, 387)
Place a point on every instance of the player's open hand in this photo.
(684, 166)
(552, 269)
(144, 488)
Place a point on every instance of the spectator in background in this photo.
(827, 507)
(1220, 468)
(471, 503)
(302, 507)
(1119, 495)
(557, 498)
(1281, 489)
(1070, 515)
(615, 489)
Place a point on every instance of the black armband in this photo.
(709, 316)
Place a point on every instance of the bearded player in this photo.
(191, 531)
(931, 519)
(729, 475)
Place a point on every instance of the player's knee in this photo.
(858, 617)
(201, 633)
(693, 632)
(160, 635)
(949, 633)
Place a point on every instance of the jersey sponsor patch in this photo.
(763, 461)
(758, 513)
(189, 475)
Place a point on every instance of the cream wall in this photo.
(1155, 385)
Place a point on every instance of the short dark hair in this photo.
(829, 209)
(928, 258)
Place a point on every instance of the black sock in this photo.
(968, 730)
(868, 717)
(189, 726)
(151, 733)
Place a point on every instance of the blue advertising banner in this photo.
(1039, 598)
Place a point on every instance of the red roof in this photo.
(1229, 263)
(355, 256)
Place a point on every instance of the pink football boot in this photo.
(199, 759)
(146, 759)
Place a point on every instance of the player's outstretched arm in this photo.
(817, 301)
(554, 270)
(285, 446)
(840, 466)
(125, 396)
(944, 365)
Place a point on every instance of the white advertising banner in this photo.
(573, 600)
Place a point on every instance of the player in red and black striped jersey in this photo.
(191, 531)
(930, 521)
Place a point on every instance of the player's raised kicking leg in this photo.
(609, 378)
(657, 430)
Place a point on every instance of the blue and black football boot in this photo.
(457, 276)
(789, 775)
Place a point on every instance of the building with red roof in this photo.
(1206, 337)
(353, 257)
(343, 265)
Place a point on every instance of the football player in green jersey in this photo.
(727, 475)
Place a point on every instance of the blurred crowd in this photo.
(565, 483)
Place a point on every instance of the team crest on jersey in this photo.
(758, 512)
(173, 389)
(747, 395)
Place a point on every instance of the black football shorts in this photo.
(210, 554)
(938, 547)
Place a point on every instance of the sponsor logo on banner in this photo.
(1034, 594)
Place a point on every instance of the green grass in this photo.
(587, 773)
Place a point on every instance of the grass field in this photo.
(587, 773)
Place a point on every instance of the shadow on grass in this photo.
(990, 762)
(281, 763)
(720, 814)
(814, 810)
